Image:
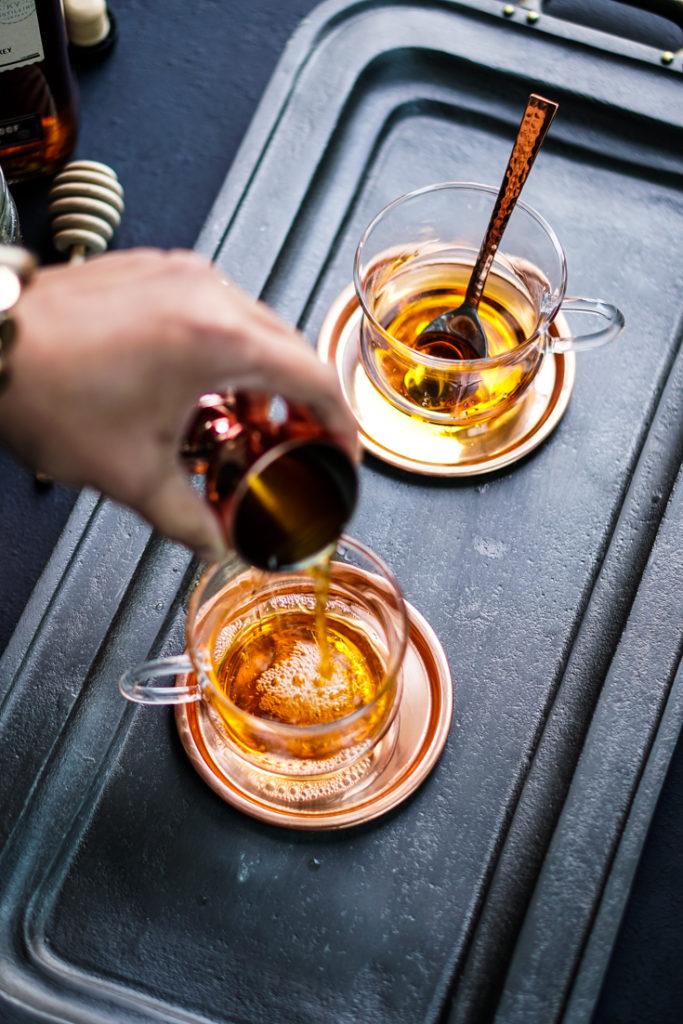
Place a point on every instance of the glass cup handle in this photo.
(607, 332)
(135, 684)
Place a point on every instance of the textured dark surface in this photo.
(181, 898)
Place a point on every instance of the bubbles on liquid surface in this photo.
(276, 670)
(284, 791)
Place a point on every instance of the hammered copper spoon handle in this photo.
(463, 322)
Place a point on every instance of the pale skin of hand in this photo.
(110, 359)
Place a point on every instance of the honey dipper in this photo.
(85, 207)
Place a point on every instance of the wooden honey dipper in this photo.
(85, 207)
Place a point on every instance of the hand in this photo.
(110, 359)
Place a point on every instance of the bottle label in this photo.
(20, 130)
(20, 41)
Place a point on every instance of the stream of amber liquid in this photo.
(303, 665)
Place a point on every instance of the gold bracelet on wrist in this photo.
(16, 267)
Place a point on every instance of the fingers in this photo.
(141, 334)
(176, 510)
(257, 350)
(300, 376)
(178, 297)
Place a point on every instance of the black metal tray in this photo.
(128, 891)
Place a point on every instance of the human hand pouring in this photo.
(458, 333)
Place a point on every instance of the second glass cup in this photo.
(301, 669)
(413, 263)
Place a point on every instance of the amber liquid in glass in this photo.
(303, 665)
(415, 298)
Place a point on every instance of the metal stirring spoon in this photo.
(458, 333)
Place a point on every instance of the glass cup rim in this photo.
(286, 729)
(435, 362)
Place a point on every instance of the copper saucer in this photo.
(396, 768)
(410, 443)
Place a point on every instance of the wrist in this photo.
(16, 267)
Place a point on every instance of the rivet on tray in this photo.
(532, 17)
(509, 10)
(667, 57)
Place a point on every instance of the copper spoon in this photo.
(458, 333)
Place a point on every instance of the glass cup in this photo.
(413, 263)
(299, 670)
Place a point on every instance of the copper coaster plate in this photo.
(422, 725)
(412, 444)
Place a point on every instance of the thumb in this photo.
(176, 510)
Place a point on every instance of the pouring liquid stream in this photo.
(305, 664)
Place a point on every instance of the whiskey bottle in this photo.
(38, 100)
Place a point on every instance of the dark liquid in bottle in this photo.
(38, 105)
